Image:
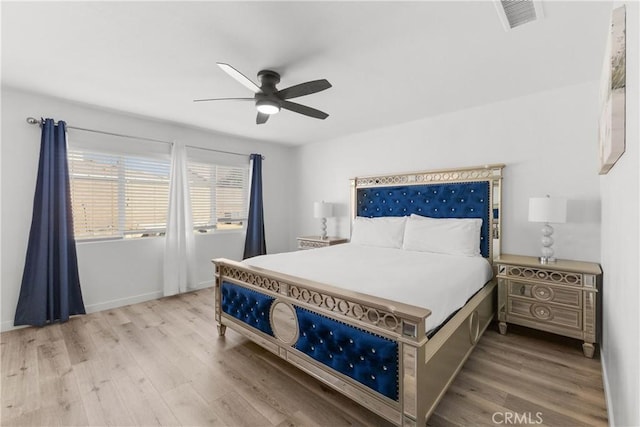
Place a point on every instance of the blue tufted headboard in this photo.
(460, 193)
(455, 200)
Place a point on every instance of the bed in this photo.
(386, 347)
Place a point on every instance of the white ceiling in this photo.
(389, 62)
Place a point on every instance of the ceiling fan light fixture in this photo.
(269, 100)
(266, 106)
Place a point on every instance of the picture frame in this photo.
(611, 125)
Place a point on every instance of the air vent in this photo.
(514, 13)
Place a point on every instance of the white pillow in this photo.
(386, 231)
(453, 236)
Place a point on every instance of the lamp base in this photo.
(323, 235)
(547, 245)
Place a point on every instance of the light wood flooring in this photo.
(162, 363)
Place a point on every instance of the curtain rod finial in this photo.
(32, 121)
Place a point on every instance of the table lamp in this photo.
(548, 210)
(323, 210)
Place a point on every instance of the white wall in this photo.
(114, 273)
(547, 141)
(620, 191)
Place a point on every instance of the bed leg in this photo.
(221, 329)
(503, 328)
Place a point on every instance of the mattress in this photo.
(438, 282)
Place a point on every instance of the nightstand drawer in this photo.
(545, 293)
(545, 313)
(543, 274)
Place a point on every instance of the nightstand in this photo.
(563, 297)
(313, 242)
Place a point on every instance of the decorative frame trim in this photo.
(475, 173)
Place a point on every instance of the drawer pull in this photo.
(543, 293)
(541, 312)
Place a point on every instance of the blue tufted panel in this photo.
(248, 306)
(367, 358)
(451, 200)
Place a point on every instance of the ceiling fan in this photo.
(270, 100)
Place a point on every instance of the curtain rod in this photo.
(33, 121)
(219, 151)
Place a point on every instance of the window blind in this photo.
(219, 195)
(117, 196)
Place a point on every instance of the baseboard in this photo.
(7, 325)
(140, 298)
(205, 284)
(121, 302)
(607, 395)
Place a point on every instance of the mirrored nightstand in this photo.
(562, 297)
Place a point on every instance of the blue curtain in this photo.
(50, 288)
(255, 243)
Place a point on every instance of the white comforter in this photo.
(441, 283)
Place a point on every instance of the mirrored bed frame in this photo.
(373, 350)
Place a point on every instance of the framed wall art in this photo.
(612, 94)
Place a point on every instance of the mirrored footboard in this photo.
(372, 350)
(352, 342)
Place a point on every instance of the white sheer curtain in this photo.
(179, 254)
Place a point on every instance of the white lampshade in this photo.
(548, 209)
(322, 210)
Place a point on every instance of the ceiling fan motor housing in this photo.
(269, 80)
(267, 101)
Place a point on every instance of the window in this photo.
(219, 196)
(118, 196)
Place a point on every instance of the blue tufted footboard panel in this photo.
(248, 306)
(367, 358)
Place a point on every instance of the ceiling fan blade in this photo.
(241, 78)
(303, 109)
(261, 118)
(304, 89)
(224, 99)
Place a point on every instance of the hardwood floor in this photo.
(162, 363)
